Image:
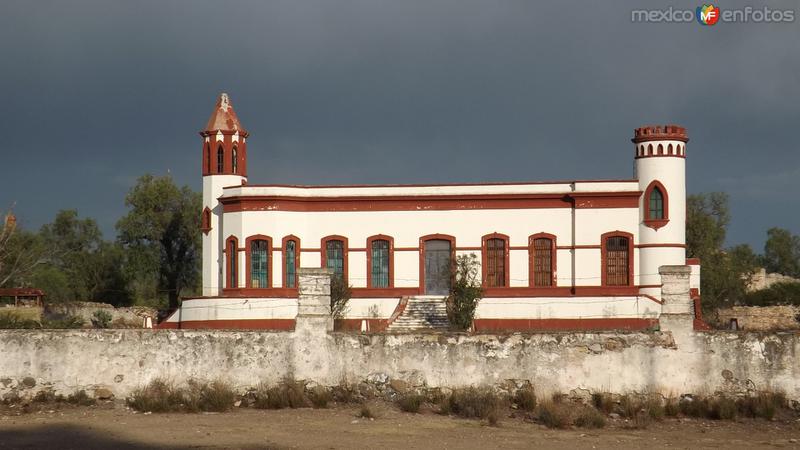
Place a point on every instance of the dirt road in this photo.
(119, 428)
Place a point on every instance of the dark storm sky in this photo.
(95, 94)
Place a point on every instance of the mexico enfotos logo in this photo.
(710, 15)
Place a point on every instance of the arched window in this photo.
(379, 262)
(334, 255)
(259, 263)
(495, 260)
(542, 248)
(220, 160)
(231, 249)
(616, 255)
(208, 158)
(234, 160)
(205, 221)
(290, 251)
(656, 205)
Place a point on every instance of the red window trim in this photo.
(429, 237)
(345, 250)
(380, 237)
(532, 259)
(296, 240)
(228, 257)
(485, 259)
(603, 256)
(249, 260)
(655, 223)
(205, 221)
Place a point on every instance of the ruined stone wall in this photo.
(761, 318)
(676, 360)
(763, 280)
(123, 317)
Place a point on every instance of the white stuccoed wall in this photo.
(673, 361)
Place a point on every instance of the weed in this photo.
(525, 399)
(288, 394)
(604, 402)
(590, 418)
(410, 402)
(80, 398)
(472, 402)
(319, 397)
(554, 414)
(365, 412)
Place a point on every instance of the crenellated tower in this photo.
(224, 164)
(660, 153)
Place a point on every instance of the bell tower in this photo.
(224, 164)
(660, 155)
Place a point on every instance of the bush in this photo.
(465, 292)
(340, 296)
(525, 399)
(410, 402)
(157, 396)
(604, 402)
(480, 403)
(101, 319)
(590, 418)
(639, 421)
(722, 409)
(554, 414)
(787, 293)
(63, 322)
(671, 408)
(320, 397)
(80, 398)
(11, 321)
(365, 412)
(288, 394)
(763, 405)
(163, 396)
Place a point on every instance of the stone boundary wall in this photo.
(761, 318)
(676, 360)
(133, 316)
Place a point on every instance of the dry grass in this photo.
(366, 412)
(604, 402)
(163, 396)
(525, 399)
(589, 417)
(554, 414)
(471, 402)
(319, 397)
(288, 394)
(410, 402)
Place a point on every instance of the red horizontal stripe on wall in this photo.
(235, 324)
(489, 325)
(431, 202)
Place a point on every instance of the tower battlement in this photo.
(660, 133)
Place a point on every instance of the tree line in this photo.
(156, 256)
(154, 260)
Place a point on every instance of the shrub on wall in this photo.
(340, 296)
(101, 319)
(787, 293)
(465, 292)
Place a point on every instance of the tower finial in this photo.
(224, 101)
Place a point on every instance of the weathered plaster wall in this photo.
(616, 362)
(676, 360)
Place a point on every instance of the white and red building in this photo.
(580, 254)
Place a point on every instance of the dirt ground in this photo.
(114, 426)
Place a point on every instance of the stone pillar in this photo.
(314, 300)
(312, 344)
(677, 309)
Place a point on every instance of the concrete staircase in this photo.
(422, 312)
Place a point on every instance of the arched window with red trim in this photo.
(656, 205)
(494, 251)
(617, 259)
(542, 259)
(259, 261)
(235, 160)
(232, 253)
(334, 255)
(205, 220)
(291, 257)
(220, 160)
(380, 261)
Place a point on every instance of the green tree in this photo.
(465, 291)
(21, 253)
(726, 272)
(161, 234)
(782, 252)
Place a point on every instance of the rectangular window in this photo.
(495, 262)
(334, 254)
(617, 257)
(542, 262)
(380, 264)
